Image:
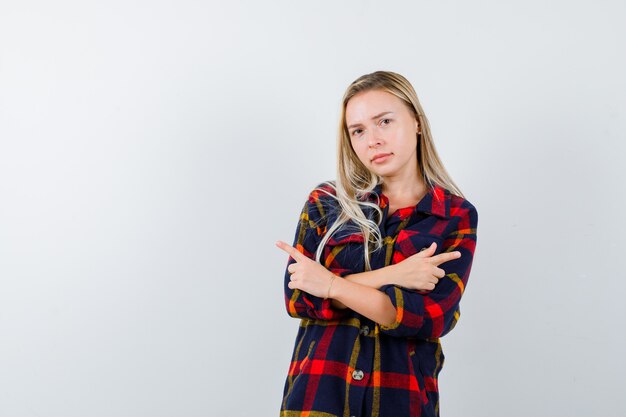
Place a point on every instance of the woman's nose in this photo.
(374, 137)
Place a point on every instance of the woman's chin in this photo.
(382, 171)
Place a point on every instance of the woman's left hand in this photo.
(306, 274)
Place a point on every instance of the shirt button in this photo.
(357, 374)
(365, 330)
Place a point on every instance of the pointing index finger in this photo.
(445, 257)
(293, 252)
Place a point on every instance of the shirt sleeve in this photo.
(301, 304)
(434, 314)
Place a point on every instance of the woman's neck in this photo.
(403, 191)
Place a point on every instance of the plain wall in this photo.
(151, 153)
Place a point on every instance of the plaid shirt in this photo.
(343, 363)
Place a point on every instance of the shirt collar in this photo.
(436, 201)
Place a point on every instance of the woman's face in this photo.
(379, 123)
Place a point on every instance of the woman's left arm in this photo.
(433, 315)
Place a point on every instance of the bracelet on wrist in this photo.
(332, 279)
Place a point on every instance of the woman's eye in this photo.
(355, 131)
(386, 120)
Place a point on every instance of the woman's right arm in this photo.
(374, 279)
(300, 304)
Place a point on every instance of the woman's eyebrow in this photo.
(373, 118)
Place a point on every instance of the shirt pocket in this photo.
(409, 242)
(305, 363)
(429, 358)
(300, 381)
(344, 252)
(415, 370)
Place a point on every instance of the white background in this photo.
(152, 152)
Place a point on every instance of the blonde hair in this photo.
(354, 180)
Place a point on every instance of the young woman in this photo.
(380, 259)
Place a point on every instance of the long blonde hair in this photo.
(354, 180)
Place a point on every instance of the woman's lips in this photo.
(381, 159)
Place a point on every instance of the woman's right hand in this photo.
(420, 271)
